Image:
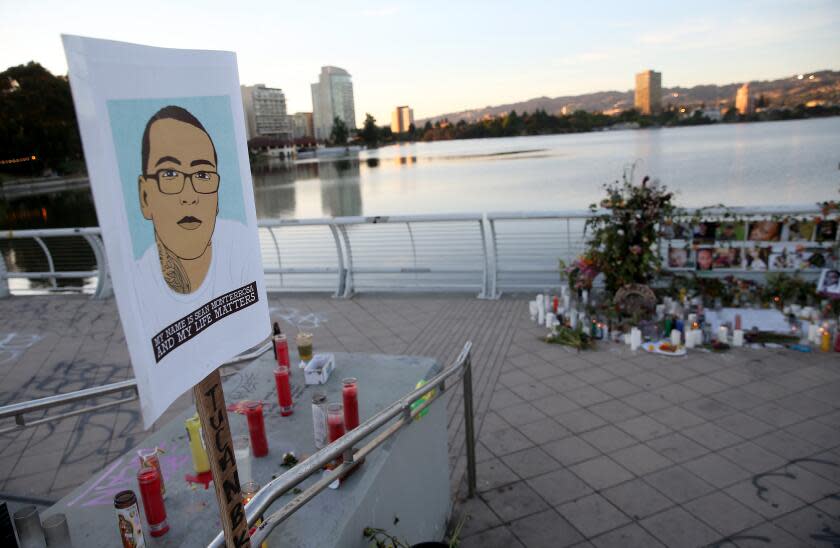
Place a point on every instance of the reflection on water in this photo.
(341, 192)
(277, 185)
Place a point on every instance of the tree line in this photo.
(541, 122)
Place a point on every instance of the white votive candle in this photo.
(675, 337)
(813, 332)
(738, 338)
(635, 339)
(689, 338)
(723, 334)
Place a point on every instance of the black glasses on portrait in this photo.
(172, 181)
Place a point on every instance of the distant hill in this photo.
(790, 91)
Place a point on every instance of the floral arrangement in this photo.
(625, 231)
(581, 273)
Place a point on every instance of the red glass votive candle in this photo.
(149, 480)
(281, 349)
(335, 421)
(555, 304)
(284, 390)
(150, 458)
(350, 395)
(256, 428)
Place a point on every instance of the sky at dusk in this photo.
(446, 56)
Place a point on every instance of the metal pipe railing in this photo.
(491, 252)
(344, 446)
(18, 410)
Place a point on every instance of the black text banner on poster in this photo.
(180, 331)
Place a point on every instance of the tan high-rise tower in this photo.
(743, 100)
(402, 119)
(649, 92)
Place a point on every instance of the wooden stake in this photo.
(212, 412)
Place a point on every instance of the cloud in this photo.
(381, 11)
(586, 57)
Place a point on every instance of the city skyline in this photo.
(440, 67)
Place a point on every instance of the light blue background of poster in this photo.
(128, 120)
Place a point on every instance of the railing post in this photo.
(485, 275)
(494, 261)
(469, 426)
(103, 280)
(277, 251)
(50, 263)
(4, 281)
(348, 271)
(342, 273)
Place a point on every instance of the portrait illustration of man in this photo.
(195, 255)
(179, 193)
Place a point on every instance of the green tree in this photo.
(37, 119)
(339, 133)
(370, 133)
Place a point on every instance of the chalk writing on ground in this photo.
(13, 345)
(122, 474)
(298, 318)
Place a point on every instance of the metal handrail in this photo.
(18, 410)
(344, 447)
(492, 258)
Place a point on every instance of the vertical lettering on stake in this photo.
(210, 403)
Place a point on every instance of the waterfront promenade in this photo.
(600, 448)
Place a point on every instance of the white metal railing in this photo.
(486, 254)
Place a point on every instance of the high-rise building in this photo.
(402, 119)
(265, 112)
(648, 92)
(743, 100)
(332, 96)
(302, 125)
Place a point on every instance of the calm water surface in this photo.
(772, 163)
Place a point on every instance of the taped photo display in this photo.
(165, 145)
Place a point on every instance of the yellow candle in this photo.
(825, 345)
(199, 453)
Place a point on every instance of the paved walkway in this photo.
(601, 448)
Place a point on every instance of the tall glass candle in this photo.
(335, 423)
(319, 419)
(149, 480)
(281, 349)
(200, 461)
(825, 341)
(128, 519)
(256, 428)
(150, 458)
(284, 390)
(350, 396)
(242, 453)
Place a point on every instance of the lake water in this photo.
(771, 163)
